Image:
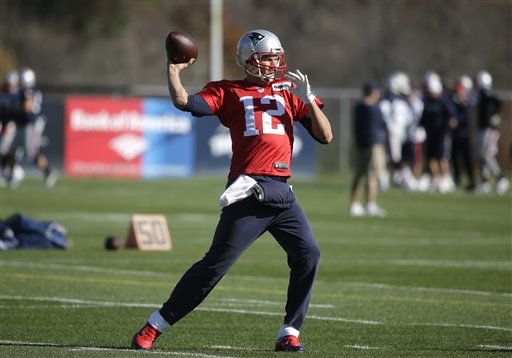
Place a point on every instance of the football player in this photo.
(260, 112)
(29, 119)
(438, 119)
(464, 102)
(488, 120)
(10, 108)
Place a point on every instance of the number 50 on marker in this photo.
(149, 233)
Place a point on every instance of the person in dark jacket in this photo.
(488, 120)
(438, 119)
(370, 136)
(464, 102)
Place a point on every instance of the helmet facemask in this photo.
(267, 73)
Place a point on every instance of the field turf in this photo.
(433, 279)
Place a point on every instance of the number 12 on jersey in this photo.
(266, 116)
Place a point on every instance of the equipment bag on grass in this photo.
(32, 234)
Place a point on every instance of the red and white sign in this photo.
(103, 137)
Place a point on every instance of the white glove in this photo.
(303, 89)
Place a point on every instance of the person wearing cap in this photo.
(370, 135)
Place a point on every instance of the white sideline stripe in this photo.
(461, 325)
(339, 319)
(418, 241)
(78, 301)
(429, 289)
(84, 268)
(230, 347)
(125, 217)
(496, 347)
(357, 346)
(92, 348)
(501, 265)
(85, 216)
(265, 313)
(272, 303)
(260, 313)
(117, 304)
(48, 307)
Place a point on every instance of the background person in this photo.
(438, 119)
(488, 119)
(10, 108)
(370, 135)
(27, 120)
(398, 115)
(464, 103)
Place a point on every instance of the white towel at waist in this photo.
(240, 189)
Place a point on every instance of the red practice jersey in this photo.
(260, 121)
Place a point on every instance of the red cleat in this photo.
(144, 338)
(289, 344)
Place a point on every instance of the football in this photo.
(112, 243)
(180, 47)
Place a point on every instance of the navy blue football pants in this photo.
(239, 226)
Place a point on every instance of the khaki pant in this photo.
(371, 161)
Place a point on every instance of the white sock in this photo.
(157, 321)
(287, 330)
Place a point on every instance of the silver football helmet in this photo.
(466, 82)
(399, 83)
(483, 80)
(11, 81)
(432, 83)
(27, 78)
(252, 46)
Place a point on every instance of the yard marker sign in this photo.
(149, 233)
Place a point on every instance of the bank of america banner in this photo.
(127, 137)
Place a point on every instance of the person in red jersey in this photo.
(260, 112)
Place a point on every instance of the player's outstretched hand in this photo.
(303, 89)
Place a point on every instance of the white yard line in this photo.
(460, 264)
(73, 348)
(247, 312)
(125, 217)
(230, 348)
(96, 269)
(429, 289)
(78, 301)
(495, 347)
(270, 303)
(363, 347)
(82, 268)
(457, 325)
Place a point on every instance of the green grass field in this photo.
(433, 279)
